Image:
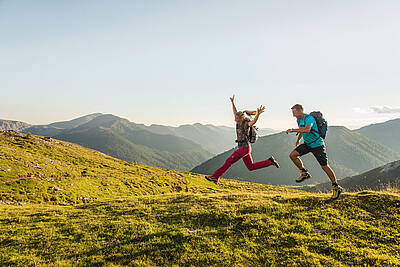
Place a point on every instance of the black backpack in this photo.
(322, 124)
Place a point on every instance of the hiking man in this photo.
(314, 143)
(244, 148)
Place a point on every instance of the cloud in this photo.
(385, 110)
(362, 110)
(378, 110)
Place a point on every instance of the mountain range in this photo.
(349, 153)
(123, 139)
(386, 133)
(182, 147)
(188, 146)
(215, 139)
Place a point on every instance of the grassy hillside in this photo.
(220, 229)
(349, 153)
(39, 170)
(379, 178)
(111, 143)
(63, 204)
(386, 133)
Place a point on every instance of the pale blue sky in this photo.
(177, 62)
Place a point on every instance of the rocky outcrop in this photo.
(6, 125)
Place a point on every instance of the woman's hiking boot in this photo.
(303, 176)
(212, 179)
(336, 191)
(274, 162)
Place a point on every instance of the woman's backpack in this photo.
(252, 134)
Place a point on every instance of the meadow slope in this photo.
(65, 205)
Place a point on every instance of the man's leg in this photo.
(336, 189)
(321, 156)
(328, 170)
(295, 157)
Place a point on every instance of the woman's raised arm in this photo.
(233, 105)
(259, 111)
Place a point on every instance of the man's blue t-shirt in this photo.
(310, 137)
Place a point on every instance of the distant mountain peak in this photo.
(379, 124)
(391, 166)
(13, 125)
(75, 122)
(385, 132)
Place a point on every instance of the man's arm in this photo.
(306, 129)
(298, 139)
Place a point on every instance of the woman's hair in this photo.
(250, 113)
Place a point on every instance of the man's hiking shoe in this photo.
(274, 162)
(303, 176)
(336, 191)
(212, 179)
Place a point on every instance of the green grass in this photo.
(237, 228)
(38, 170)
(120, 213)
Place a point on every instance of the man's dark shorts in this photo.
(318, 152)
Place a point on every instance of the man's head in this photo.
(298, 111)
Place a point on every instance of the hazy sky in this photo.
(177, 62)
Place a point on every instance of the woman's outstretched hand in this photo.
(261, 109)
(232, 98)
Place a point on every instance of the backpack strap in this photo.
(247, 132)
(313, 141)
(242, 127)
(314, 132)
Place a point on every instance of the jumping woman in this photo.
(244, 149)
